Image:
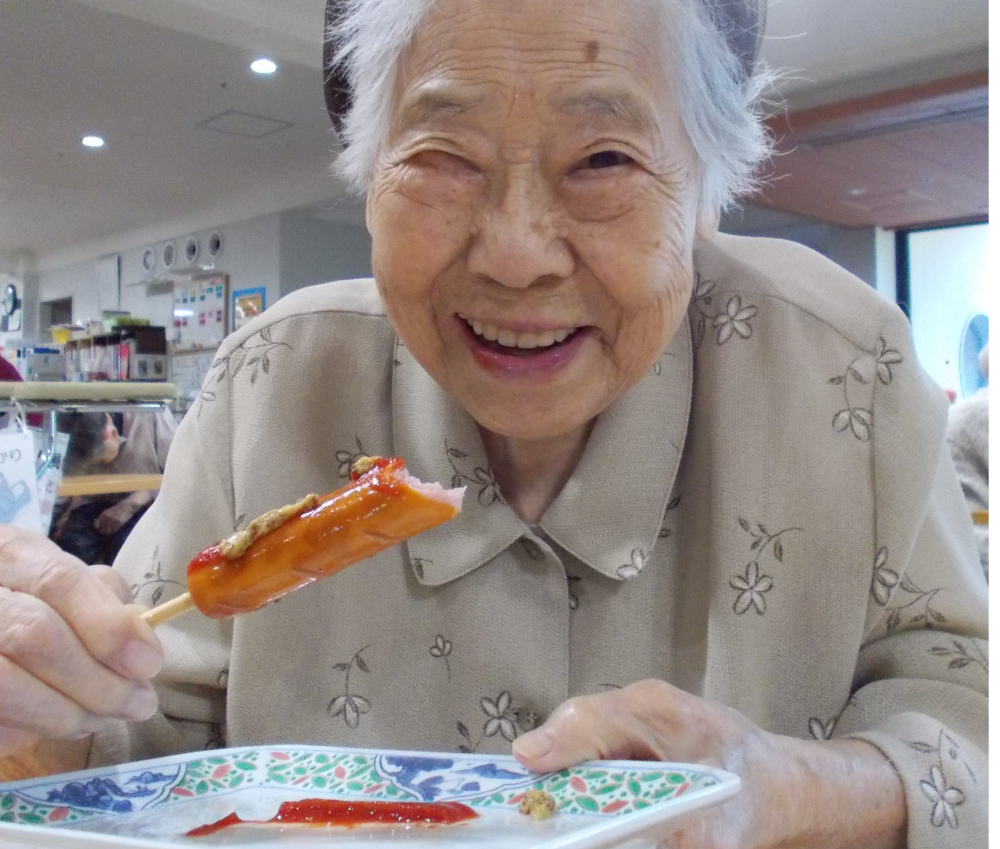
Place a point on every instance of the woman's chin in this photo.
(530, 420)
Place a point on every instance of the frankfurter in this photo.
(286, 549)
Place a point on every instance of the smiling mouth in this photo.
(512, 343)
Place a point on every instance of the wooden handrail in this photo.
(71, 391)
(107, 484)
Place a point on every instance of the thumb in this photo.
(586, 728)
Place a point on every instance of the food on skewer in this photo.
(295, 545)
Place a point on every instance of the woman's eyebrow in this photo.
(431, 104)
(621, 106)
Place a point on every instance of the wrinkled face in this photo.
(533, 212)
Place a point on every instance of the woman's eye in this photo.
(606, 159)
(440, 160)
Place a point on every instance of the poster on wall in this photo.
(18, 486)
(200, 313)
(247, 305)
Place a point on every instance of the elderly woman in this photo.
(710, 515)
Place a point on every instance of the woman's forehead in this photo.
(594, 100)
(601, 60)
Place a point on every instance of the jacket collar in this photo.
(610, 512)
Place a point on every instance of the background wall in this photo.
(250, 256)
(280, 251)
(864, 251)
(316, 250)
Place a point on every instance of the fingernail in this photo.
(533, 745)
(141, 704)
(141, 659)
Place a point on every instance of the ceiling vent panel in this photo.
(245, 124)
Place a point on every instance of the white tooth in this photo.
(547, 338)
(560, 336)
(489, 333)
(477, 328)
(527, 340)
(507, 338)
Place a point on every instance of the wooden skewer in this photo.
(168, 610)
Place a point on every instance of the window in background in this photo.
(948, 287)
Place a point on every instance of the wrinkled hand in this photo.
(794, 793)
(112, 519)
(74, 651)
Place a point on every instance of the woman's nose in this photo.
(518, 240)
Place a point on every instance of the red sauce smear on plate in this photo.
(328, 812)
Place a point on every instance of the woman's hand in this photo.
(73, 651)
(795, 792)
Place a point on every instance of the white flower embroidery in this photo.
(884, 580)
(489, 488)
(441, 647)
(440, 650)
(887, 357)
(346, 459)
(944, 798)
(821, 730)
(352, 707)
(638, 560)
(860, 420)
(501, 717)
(736, 319)
(752, 587)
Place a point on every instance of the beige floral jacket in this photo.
(769, 519)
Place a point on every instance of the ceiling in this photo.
(912, 157)
(148, 76)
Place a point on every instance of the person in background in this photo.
(94, 528)
(969, 443)
(147, 440)
(94, 443)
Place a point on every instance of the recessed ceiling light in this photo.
(856, 193)
(92, 141)
(263, 66)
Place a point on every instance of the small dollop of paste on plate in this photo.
(238, 543)
(538, 804)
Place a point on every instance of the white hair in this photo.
(720, 94)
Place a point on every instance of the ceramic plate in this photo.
(153, 803)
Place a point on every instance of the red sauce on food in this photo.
(333, 812)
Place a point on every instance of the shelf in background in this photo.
(107, 484)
